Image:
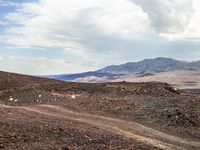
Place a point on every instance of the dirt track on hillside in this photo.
(127, 129)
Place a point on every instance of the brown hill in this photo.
(38, 113)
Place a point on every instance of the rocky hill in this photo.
(40, 113)
(151, 66)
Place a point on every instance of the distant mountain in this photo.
(147, 67)
(71, 77)
(151, 66)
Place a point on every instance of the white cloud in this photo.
(192, 30)
(121, 18)
(60, 23)
(174, 19)
(1, 58)
(167, 16)
(83, 29)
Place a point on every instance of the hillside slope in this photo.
(38, 113)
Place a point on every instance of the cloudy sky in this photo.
(68, 36)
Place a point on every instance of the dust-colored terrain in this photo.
(38, 113)
(178, 79)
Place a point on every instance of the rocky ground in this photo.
(38, 113)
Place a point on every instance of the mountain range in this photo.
(151, 66)
(183, 74)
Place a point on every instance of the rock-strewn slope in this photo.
(35, 114)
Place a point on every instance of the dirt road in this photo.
(127, 129)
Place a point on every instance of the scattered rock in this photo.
(73, 96)
(11, 98)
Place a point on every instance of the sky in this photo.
(43, 37)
